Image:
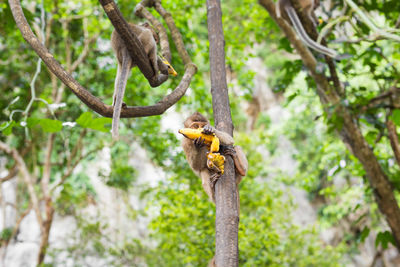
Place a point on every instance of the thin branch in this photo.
(176, 35)
(47, 166)
(394, 139)
(377, 31)
(28, 180)
(140, 11)
(11, 174)
(72, 168)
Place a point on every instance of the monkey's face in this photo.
(197, 124)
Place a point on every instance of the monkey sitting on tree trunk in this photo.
(196, 154)
(149, 39)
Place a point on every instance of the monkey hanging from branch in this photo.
(201, 157)
(149, 39)
(284, 9)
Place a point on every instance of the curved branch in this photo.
(176, 35)
(83, 94)
(140, 11)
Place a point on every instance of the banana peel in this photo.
(215, 161)
(210, 140)
(171, 70)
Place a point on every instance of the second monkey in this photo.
(149, 39)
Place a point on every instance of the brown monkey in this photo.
(285, 9)
(149, 39)
(196, 153)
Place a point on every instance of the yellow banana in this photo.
(216, 162)
(171, 70)
(209, 139)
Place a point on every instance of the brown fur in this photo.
(197, 157)
(148, 38)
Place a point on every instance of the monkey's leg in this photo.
(238, 156)
(119, 91)
(207, 184)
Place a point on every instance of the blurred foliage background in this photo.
(174, 215)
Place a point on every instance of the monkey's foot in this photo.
(228, 150)
(208, 129)
(199, 142)
(213, 180)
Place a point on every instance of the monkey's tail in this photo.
(304, 36)
(120, 84)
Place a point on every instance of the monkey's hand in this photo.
(215, 162)
(199, 142)
(208, 129)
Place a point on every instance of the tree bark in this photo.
(227, 213)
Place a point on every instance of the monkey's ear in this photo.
(145, 24)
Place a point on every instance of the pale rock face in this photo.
(22, 255)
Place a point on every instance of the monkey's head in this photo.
(195, 121)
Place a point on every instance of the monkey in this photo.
(196, 154)
(285, 9)
(148, 37)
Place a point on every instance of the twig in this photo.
(28, 180)
(394, 139)
(11, 174)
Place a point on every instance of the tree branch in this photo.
(28, 180)
(394, 139)
(84, 95)
(140, 11)
(227, 210)
(11, 174)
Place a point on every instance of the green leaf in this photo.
(86, 120)
(384, 238)
(364, 234)
(50, 126)
(8, 129)
(32, 122)
(396, 117)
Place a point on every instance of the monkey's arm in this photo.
(150, 47)
(196, 155)
(298, 26)
(207, 184)
(224, 138)
(120, 84)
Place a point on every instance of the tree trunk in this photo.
(227, 213)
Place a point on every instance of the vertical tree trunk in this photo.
(227, 213)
